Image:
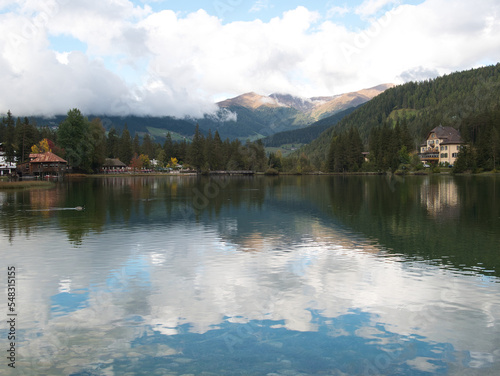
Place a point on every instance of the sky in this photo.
(178, 57)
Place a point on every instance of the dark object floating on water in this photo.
(77, 208)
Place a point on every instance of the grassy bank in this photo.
(25, 184)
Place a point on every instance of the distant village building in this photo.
(441, 146)
(6, 168)
(44, 164)
(113, 165)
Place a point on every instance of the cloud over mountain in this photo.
(134, 60)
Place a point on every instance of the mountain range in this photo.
(253, 116)
(247, 116)
(316, 107)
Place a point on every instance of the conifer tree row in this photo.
(345, 152)
(85, 145)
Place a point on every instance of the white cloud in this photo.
(372, 7)
(259, 5)
(63, 57)
(337, 11)
(183, 63)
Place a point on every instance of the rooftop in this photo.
(113, 162)
(449, 135)
(47, 157)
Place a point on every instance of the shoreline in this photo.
(316, 173)
(25, 184)
(5, 184)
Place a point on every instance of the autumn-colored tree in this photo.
(140, 161)
(173, 162)
(145, 160)
(42, 147)
(136, 162)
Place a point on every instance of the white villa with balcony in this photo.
(441, 146)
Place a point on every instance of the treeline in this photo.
(86, 144)
(345, 152)
(211, 154)
(391, 148)
(18, 135)
(481, 132)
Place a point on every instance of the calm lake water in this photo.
(357, 275)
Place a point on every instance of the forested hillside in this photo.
(157, 127)
(308, 134)
(256, 116)
(449, 100)
(253, 123)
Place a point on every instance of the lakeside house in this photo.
(113, 165)
(442, 146)
(44, 164)
(6, 168)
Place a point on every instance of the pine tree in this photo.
(355, 150)
(236, 159)
(26, 135)
(125, 152)
(112, 143)
(73, 137)
(136, 145)
(148, 146)
(209, 152)
(196, 150)
(261, 155)
(168, 147)
(375, 148)
(9, 137)
(181, 151)
(330, 157)
(219, 152)
(97, 135)
(406, 139)
(495, 146)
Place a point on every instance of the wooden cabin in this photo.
(44, 164)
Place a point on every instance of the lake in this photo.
(289, 275)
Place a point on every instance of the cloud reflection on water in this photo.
(211, 283)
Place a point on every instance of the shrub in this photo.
(271, 172)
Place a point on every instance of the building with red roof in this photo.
(44, 164)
